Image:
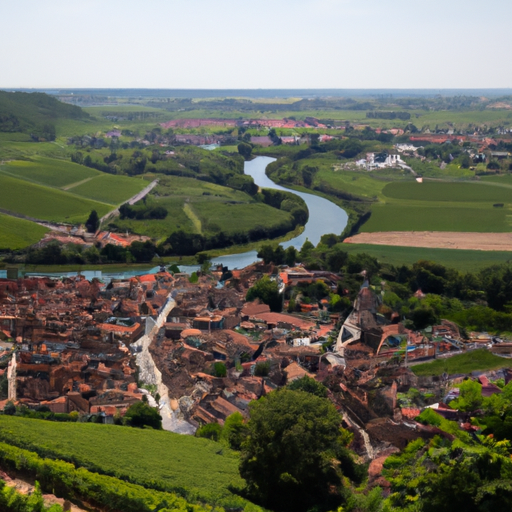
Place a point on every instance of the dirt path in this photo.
(132, 200)
(437, 240)
(73, 185)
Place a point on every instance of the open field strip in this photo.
(437, 239)
(196, 221)
(69, 187)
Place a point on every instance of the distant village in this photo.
(200, 352)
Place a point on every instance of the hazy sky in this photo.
(256, 44)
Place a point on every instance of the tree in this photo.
(245, 150)
(267, 291)
(93, 222)
(142, 415)
(291, 457)
(309, 385)
(234, 431)
(210, 431)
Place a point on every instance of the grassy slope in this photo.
(203, 467)
(48, 171)
(18, 233)
(44, 202)
(478, 360)
(109, 188)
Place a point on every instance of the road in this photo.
(132, 200)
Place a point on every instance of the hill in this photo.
(34, 113)
(198, 469)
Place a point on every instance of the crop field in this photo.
(436, 217)
(231, 218)
(46, 203)
(203, 468)
(109, 188)
(48, 171)
(478, 360)
(196, 206)
(449, 192)
(462, 260)
(19, 233)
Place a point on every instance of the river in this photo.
(324, 217)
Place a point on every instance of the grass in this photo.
(109, 188)
(204, 468)
(45, 203)
(447, 192)
(477, 360)
(436, 217)
(463, 260)
(19, 233)
(197, 206)
(48, 171)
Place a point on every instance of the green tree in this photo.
(267, 291)
(93, 222)
(234, 431)
(470, 396)
(309, 385)
(210, 431)
(245, 150)
(142, 415)
(291, 458)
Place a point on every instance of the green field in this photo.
(478, 360)
(197, 206)
(447, 192)
(48, 171)
(425, 217)
(203, 468)
(46, 203)
(19, 233)
(462, 260)
(109, 188)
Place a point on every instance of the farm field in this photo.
(438, 239)
(462, 260)
(19, 233)
(203, 469)
(432, 217)
(109, 188)
(46, 203)
(478, 360)
(48, 171)
(447, 192)
(197, 206)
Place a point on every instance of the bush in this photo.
(210, 431)
(219, 370)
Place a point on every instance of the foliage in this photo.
(12, 500)
(234, 431)
(219, 369)
(309, 385)
(291, 458)
(210, 431)
(142, 415)
(267, 291)
(204, 473)
(93, 222)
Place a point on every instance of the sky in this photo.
(245, 44)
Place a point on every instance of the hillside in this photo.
(197, 469)
(34, 113)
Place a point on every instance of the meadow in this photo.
(447, 191)
(477, 360)
(437, 217)
(197, 206)
(19, 233)
(462, 260)
(197, 468)
(48, 171)
(109, 188)
(46, 203)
